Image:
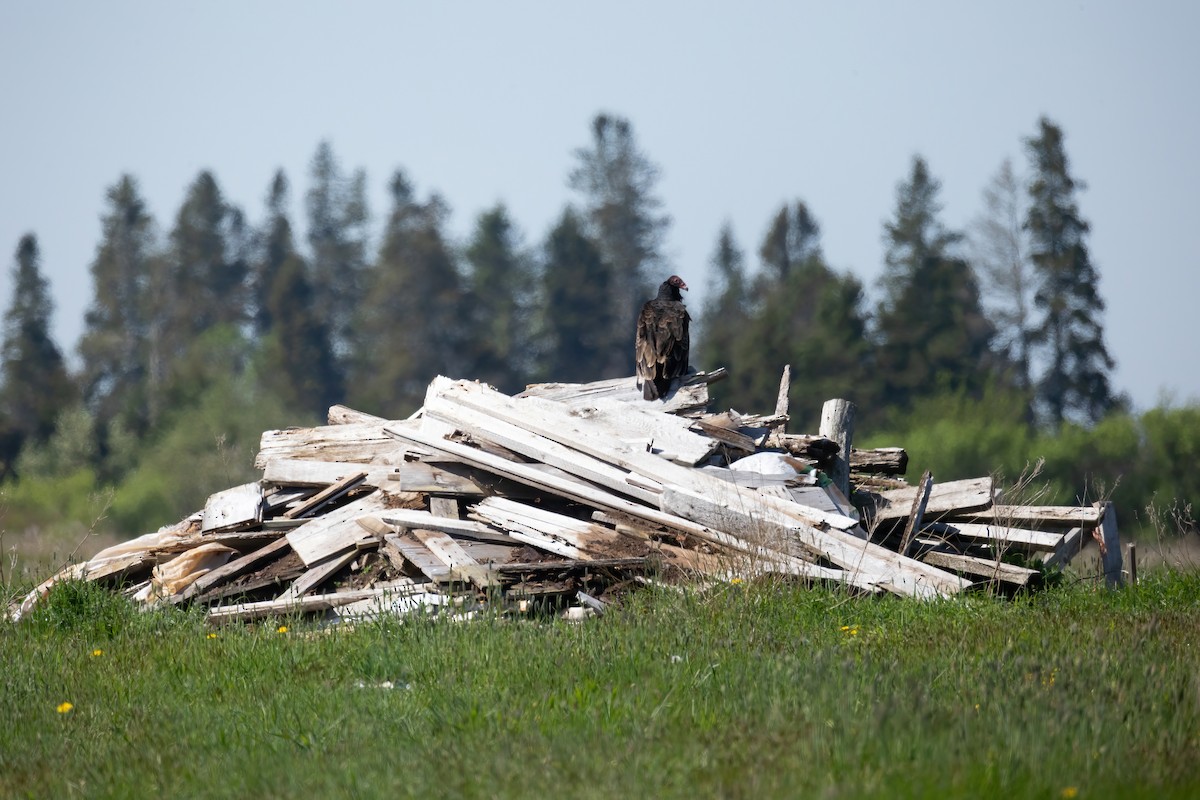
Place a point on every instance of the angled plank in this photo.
(232, 569)
(336, 531)
(920, 503)
(450, 553)
(317, 575)
(326, 495)
(404, 548)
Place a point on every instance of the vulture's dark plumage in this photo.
(661, 347)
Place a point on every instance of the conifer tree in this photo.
(1000, 251)
(807, 316)
(617, 182)
(933, 332)
(338, 218)
(412, 316)
(34, 385)
(114, 348)
(1075, 383)
(576, 328)
(499, 303)
(199, 303)
(727, 309)
(298, 365)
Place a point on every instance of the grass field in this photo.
(743, 691)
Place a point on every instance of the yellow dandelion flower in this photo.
(64, 708)
(212, 636)
(845, 627)
(736, 581)
(1069, 792)
(97, 653)
(281, 629)
(854, 631)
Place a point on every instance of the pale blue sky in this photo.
(743, 106)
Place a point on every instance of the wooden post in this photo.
(1110, 543)
(837, 424)
(1132, 564)
(785, 383)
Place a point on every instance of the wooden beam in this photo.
(920, 502)
(837, 424)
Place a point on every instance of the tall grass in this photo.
(742, 691)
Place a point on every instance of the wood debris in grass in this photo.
(565, 495)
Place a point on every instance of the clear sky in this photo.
(743, 106)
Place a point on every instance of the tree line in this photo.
(223, 304)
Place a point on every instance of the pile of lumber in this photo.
(565, 495)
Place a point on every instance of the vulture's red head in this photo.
(669, 289)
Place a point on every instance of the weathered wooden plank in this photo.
(241, 506)
(519, 440)
(998, 535)
(356, 442)
(952, 497)
(411, 518)
(982, 568)
(1069, 548)
(335, 532)
(690, 396)
(417, 476)
(880, 460)
(1059, 516)
(326, 495)
(344, 415)
(920, 503)
(555, 533)
(245, 612)
(232, 569)
(307, 472)
(404, 547)
(318, 574)
(453, 556)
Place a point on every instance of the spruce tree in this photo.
(200, 301)
(412, 317)
(575, 326)
(727, 309)
(1075, 383)
(115, 346)
(933, 332)
(34, 385)
(499, 303)
(807, 316)
(338, 218)
(298, 365)
(618, 182)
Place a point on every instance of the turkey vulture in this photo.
(661, 348)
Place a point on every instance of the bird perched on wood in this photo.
(661, 346)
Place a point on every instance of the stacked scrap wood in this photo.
(564, 494)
